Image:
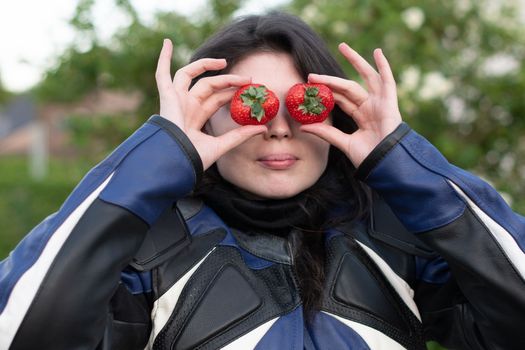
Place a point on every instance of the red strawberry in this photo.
(254, 104)
(309, 103)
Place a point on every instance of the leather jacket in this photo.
(119, 266)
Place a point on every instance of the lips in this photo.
(278, 161)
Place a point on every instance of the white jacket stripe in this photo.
(401, 287)
(504, 239)
(373, 338)
(163, 306)
(27, 286)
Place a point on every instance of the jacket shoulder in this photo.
(168, 236)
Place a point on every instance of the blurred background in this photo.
(77, 77)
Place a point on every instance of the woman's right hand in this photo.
(191, 108)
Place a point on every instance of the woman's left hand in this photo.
(374, 109)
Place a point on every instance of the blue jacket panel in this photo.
(119, 266)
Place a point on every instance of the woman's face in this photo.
(283, 161)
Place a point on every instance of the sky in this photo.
(33, 33)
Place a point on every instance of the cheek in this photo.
(223, 165)
(323, 155)
(220, 123)
(322, 147)
(319, 149)
(231, 167)
(319, 159)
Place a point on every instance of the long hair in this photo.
(281, 32)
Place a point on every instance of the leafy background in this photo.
(458, 65)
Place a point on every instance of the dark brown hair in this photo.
(281, 32)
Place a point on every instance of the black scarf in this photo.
(273, 216)
(241, 210)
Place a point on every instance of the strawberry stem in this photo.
(312, 102)
(254, 97)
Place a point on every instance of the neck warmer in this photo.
(246, 212)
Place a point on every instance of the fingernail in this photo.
(164, 42)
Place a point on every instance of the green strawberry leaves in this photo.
(312, 102)
(254, 97)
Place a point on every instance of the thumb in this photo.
(237, 136)
(328, 133)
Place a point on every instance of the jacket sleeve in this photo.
(472, 296)
(56, 285)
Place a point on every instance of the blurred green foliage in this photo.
(5, 95)
(434, 346)
(457, 63)
(24, 201)
(92, 138)
(129, 60)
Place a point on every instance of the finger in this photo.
(205, 87)
(365, 70)
(163, 74)
(219, 99)
(328, 133)
(351, 89)
(384, 68)
(210, 106)
(237, 136)
(347, 106)
(185, 75)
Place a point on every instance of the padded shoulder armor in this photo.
(168, 236)
(386, 227)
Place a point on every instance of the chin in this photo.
(279, 195)
(276, 185)
(278, 192)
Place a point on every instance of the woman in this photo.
(354, 233)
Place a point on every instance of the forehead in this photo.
(274, 69)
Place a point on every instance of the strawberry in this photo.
(309, 103)
(254, 104)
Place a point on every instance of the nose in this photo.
(279, 127)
